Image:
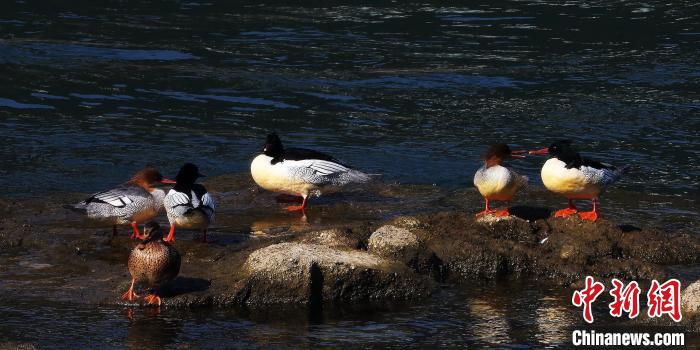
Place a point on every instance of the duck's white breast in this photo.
(278, 177)
(572, 183)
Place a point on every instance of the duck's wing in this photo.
(206, 201)
(119, 197)
(599, 172)
(308, 154)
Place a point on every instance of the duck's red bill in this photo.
(168, 181)
(540, 151)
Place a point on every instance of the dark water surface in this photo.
(411, 91)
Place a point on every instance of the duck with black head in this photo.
(569, 174)
(136, 201)
(152, 262)
(300, 172)
(495, 181)
(188, 204)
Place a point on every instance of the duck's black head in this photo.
(564, 151)
(273, 146)
(152, 231)
(188, 174)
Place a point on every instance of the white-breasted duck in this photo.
(152, 262)
(569, 174)
(497, 182)
(300, 172)
(188, 204)
(136, 201)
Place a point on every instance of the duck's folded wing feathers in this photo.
(118, 197)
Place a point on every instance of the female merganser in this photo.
(188, 204)
(575, 177)
(497, 182)
(300, 172)
(153, 262)
(133, 202)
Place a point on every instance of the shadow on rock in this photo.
(184, 285)
(530, 213)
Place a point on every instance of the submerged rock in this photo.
(301, 273)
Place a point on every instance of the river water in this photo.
(414, 92)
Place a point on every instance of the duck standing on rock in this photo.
(153, 262)
(300, 172)
(188, 204)
(497, 182)
(575, 177)
(133, 202)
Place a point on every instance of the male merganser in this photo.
(300, 172)
(575, 177)
(188, 204)
(133, 202)
(153, 262)
(497, 182)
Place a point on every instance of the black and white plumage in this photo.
(300, 172)
(133, 202)
(569, 174)
(189, 205)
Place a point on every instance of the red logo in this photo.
(665, 299)
(587, 296)
(626, 299)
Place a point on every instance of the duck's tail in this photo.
(78, 208)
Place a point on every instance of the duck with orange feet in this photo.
(153, 262)
(569, 174)
(136, 201)
(188, 204)
(300, 172)
(495, 181)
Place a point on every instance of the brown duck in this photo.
(153, 262)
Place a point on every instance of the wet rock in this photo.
(336, 238)
(298, 273)
(690, 300)
(400, 244)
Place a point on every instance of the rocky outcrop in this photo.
(690, 300)
(400, 244)
(299, 273)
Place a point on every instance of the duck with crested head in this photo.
(495, 181)
(153, 262)
(137, 200)
(569, 174)
(300, 172)
(188, 204)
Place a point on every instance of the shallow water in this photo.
(413, 92)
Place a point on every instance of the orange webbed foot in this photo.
(129, 295)
(295, 207)
(486, 212)
(169, 239)
(152, 299)
(501, 213)
(565, 212)
(588, 215)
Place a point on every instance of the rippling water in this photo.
(411, 91)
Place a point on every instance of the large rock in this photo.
(299, 273)
(400, 244)
(690, 299)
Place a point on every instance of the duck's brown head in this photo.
(149, 178)
(152, 231)
(499, 152)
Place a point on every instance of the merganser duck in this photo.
(300, 172)
(133, 202)
(188, 204)
(575, 177)
(497, 182)
(153, 262)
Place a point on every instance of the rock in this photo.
(335, 238)
(400, 244)
(299, 273)
(690, 299)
